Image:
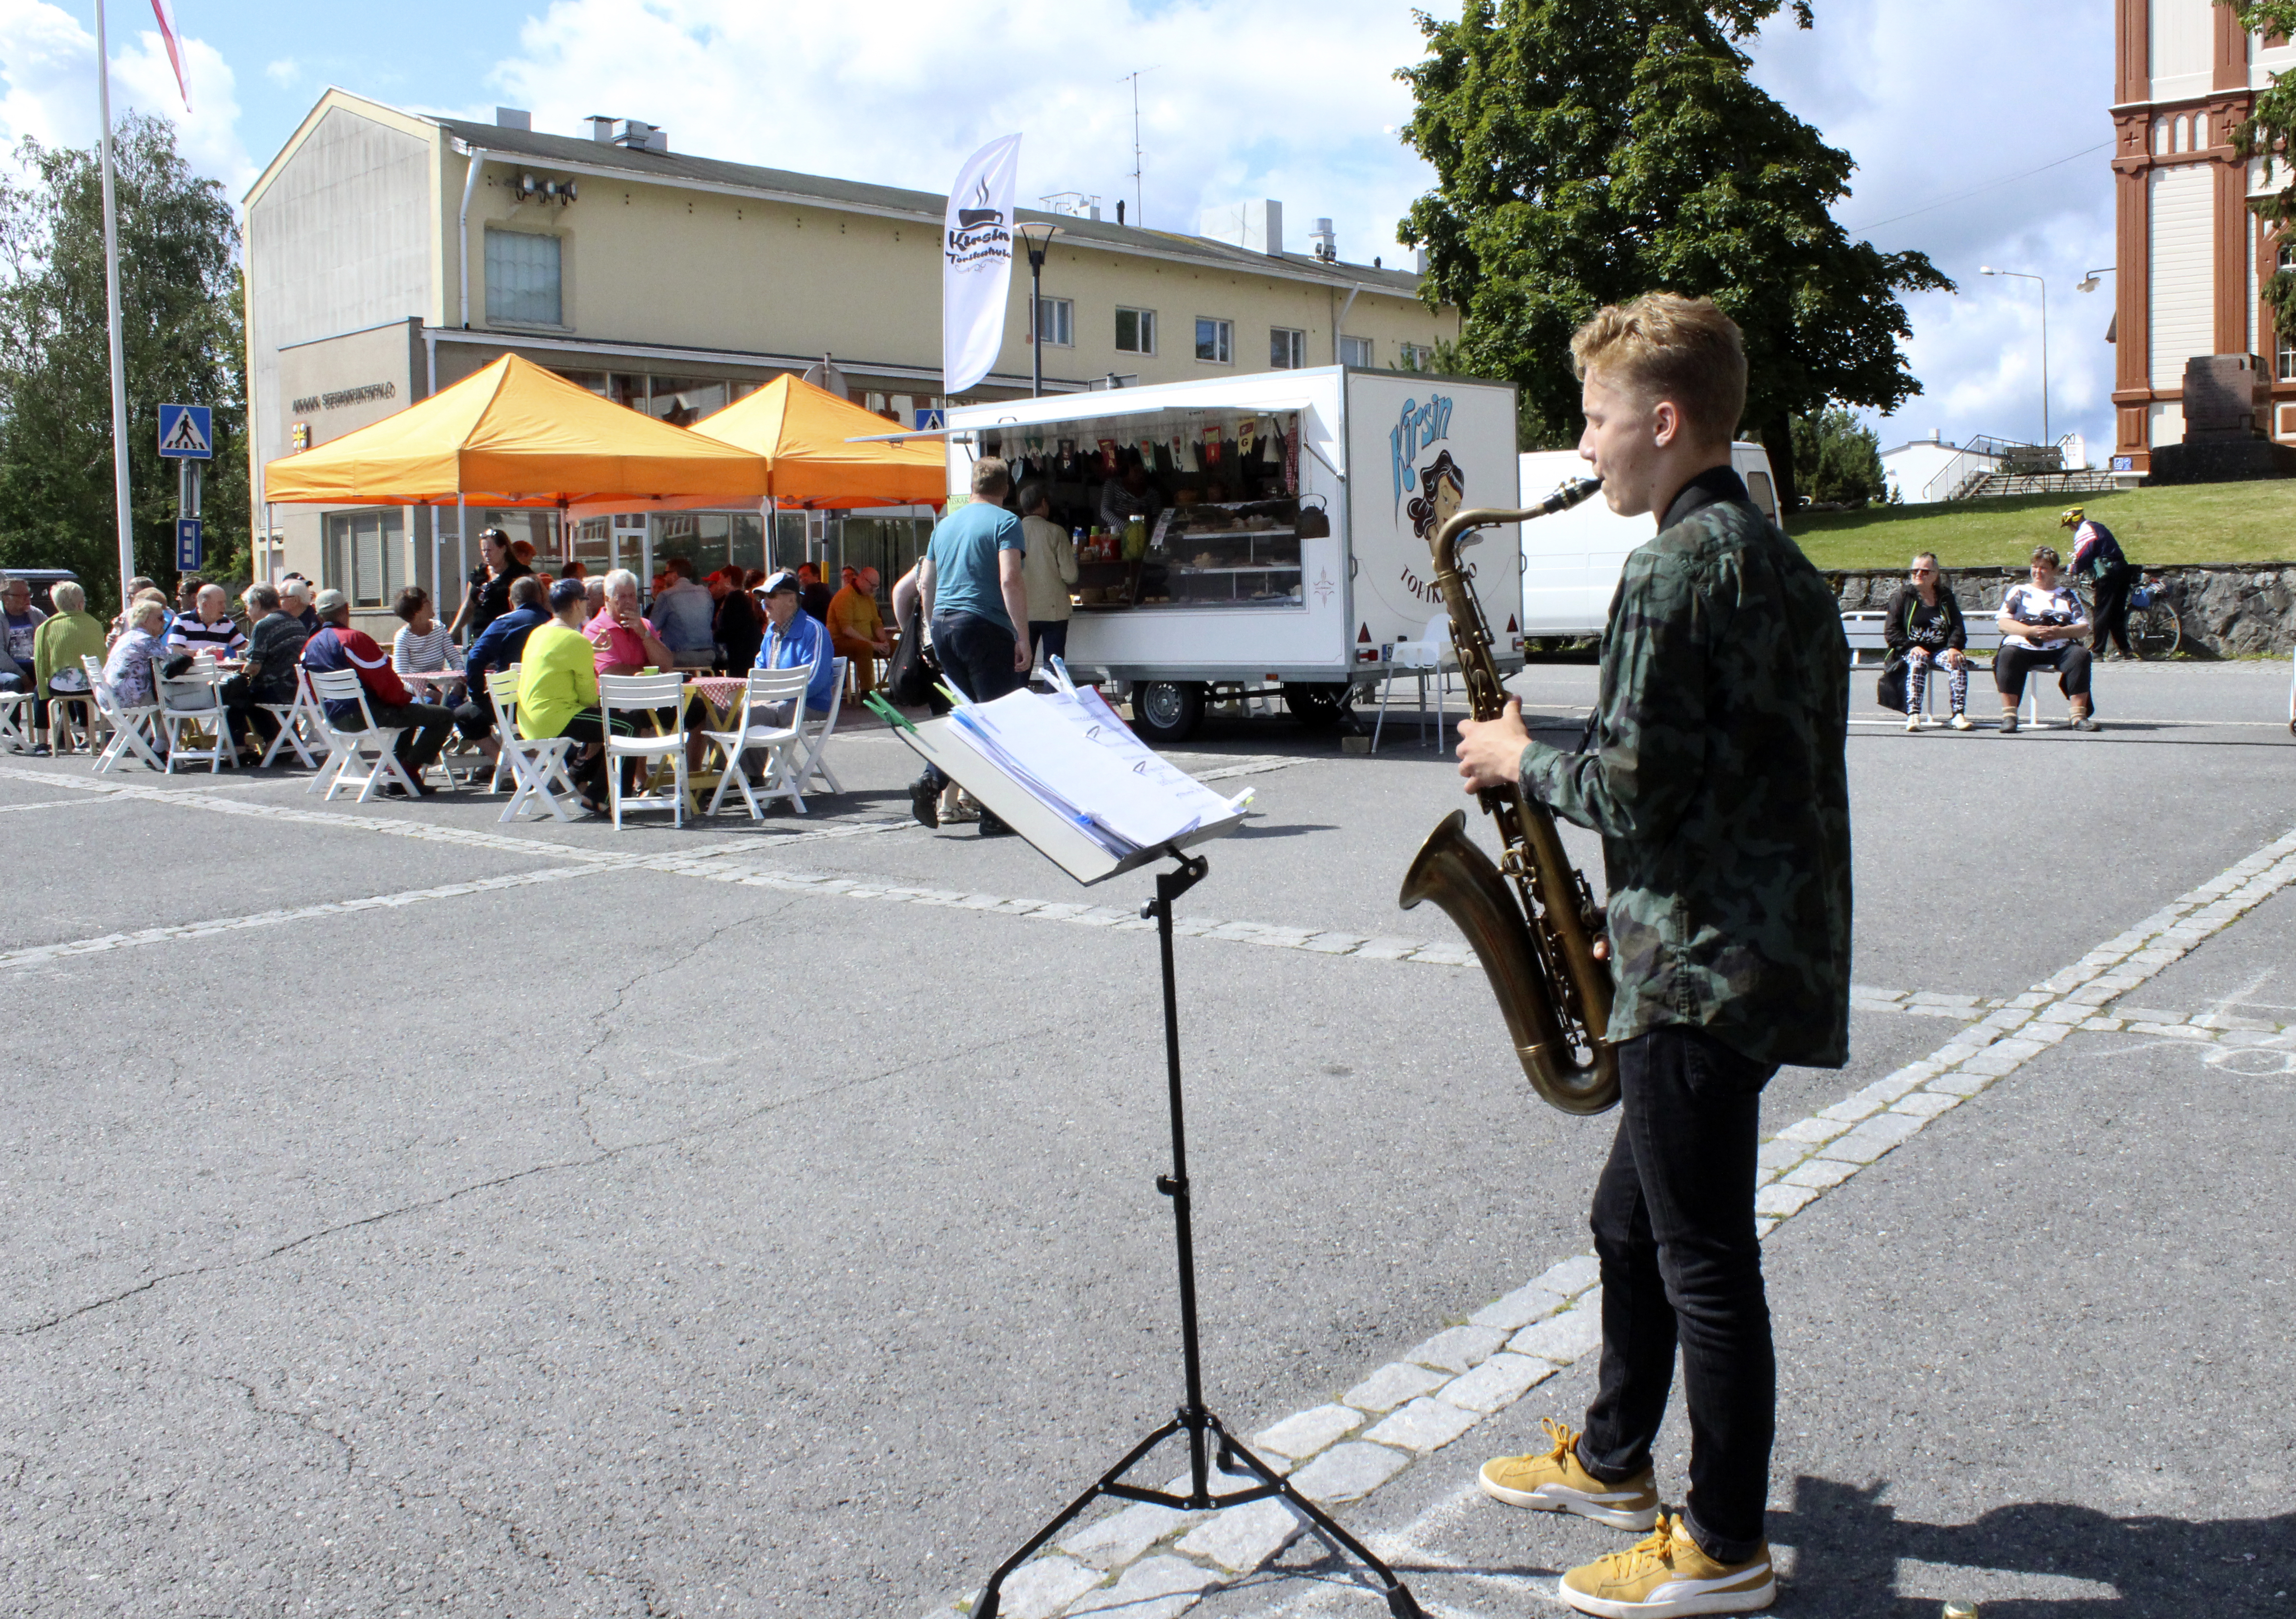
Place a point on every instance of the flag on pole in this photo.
(977, 263)
(165, 11)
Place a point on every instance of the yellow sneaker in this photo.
(1553, 1481)
(1668, 1575)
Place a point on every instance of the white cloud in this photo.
(283, 72)
(1935, 102)
(1236, 101)
(48, 60)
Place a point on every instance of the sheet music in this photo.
(1076, 758)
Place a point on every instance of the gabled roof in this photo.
(676, 169)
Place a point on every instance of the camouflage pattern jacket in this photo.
(1718, 780)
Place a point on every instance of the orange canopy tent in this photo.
(516, 435)
(803, 435)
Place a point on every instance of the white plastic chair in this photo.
(813, 745)
(14, 733)
(358, 755)
(536, 763)
(301, 726)
(133, 730)
(191, 705)
(751, 729)
(639, 695)
(1431, 655)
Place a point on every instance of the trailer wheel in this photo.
(1166, 710)
(1317, 704)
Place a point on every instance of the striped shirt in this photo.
(224, 638)
(411, 653)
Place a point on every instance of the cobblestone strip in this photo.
(1148, 1559)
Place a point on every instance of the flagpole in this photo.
(120, 493)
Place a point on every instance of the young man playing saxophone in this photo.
(1718, 781)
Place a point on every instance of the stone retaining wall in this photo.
(2227, 610)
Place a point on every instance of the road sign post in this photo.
(187, 432)
(191, 545)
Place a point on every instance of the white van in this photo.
(1571, 560)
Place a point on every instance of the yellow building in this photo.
(390, 254)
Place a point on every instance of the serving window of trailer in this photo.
(1173, 509)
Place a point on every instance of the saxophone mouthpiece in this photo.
(1570, 495)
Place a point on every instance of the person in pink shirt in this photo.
(625, 641)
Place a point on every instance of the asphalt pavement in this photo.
(409, 1213)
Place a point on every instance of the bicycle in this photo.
(2156, 629)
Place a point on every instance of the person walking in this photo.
(1717, 777)
(2098, 557)
(969, 580)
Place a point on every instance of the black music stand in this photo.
(1202, 1428)
(946, 746)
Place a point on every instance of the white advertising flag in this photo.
(977, 263)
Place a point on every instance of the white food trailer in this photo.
(1290, 547)
(1571, 560)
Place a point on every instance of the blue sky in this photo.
(1938, 102)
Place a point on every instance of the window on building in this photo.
(1287, 348)
(1354, 351)
(1417, 357)
(2286, 368)
(1216, 341)
(522, 279)
(365, 556)
(1136, 330)
(1056, 321)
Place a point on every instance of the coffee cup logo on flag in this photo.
(977, 263)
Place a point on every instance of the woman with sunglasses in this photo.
(1925, 629)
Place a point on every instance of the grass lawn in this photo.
(2186, 523)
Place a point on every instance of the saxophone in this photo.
(1537, 945)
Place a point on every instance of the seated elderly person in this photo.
(2042, 626)
(208, 627)
(128, 670)
(795, 639)
(21, 621)
(421, 726)
(64, 637)
(274, 651)
(625, 642)
(1924, 629)
(558, 690)
(683, 615)
(295, 594)
(856, 630)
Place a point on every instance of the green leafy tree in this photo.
(2270, 131)
(1837, 459)
(181, 323)
(1589, 151)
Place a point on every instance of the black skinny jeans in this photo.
(1674, 1228)
(2012, 662)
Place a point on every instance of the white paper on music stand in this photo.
(1076, 758)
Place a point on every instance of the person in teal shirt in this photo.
(975, 600)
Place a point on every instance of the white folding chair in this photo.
(360, 754)
(133, 730)
(15, 727)
(536, 764)
(1430, 656)
(301, 726)
(191, 708)
(813, 744)
(752, 728)
(638, 696)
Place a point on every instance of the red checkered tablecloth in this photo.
(723, 691)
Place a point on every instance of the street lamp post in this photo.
(1036, 246)
(1985, 269)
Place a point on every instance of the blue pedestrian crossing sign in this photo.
(191, 544)
(187, 432)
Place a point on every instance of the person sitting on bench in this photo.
(2042, 626)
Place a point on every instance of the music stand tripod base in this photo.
(1208, 1439)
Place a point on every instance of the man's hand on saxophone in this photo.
(1490, 750)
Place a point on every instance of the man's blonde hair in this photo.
(991, 478)
(1663, 346)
